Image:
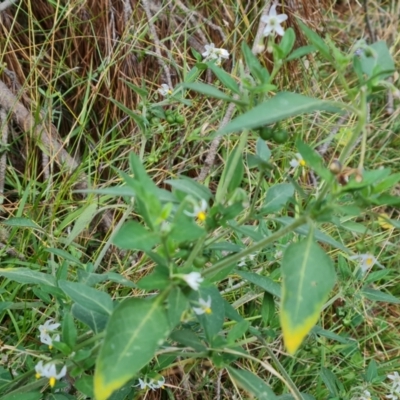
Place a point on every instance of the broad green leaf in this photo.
(136, 329)
(330, 380)
(262, 150)
(305, 396)
(262, 281)
(134, 236)
(5, 305)
(301, 52)
(225, 78)
(317, 41)
(140, 173)
(377, 295)
(237, 331)
(189, 339)
(267, 308)
(191, 187)
(158, 279)
(308, 276)
(313, 160)
(26, 275)
(177, 305)
(258, 72)
(95, 321)
(377, 59)
(64, 254)
(278, 108)
(211, 91)
(21, 222)
(23, 396)
(330, 335)
(85, 218)
(252, 384)
(372, 371)
(85, 385)
(117, 278)
(123, 191)
(287, 42)
(277, 196)
(87, 297)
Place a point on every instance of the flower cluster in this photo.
(49, 371)
(214, 53)
(47, 335)
(151, 383)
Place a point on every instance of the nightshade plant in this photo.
(196, 239)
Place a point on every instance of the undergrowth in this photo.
(100, 245)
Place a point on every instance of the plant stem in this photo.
(258, 246)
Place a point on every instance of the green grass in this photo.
(65, 73)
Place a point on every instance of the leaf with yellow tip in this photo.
(308, 276)
(134, 331)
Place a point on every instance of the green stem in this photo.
(221, 192)
(258, 246)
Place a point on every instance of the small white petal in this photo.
(294, 163)
(279, 30)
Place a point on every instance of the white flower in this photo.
(214, 53)
(193, 280)
(45, 331)
(250, 257)
(366, 395)
(199, 210)
(242, 262)
(395, 378)
(273, 22)
(205, 306)
(45, 338)
(367, 261)
(151, 384)
(49, 371)
(165, 90)
(48, 326)
(392, 396)
(298, 161)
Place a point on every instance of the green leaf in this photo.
(211, 91)
(256, 69)
(301, 52)
(87, 297)
(134, 236)
(262, 150)
(85, 385)
(262, 281)
(143, 93)
(158, 279)
(141, 121)
(189, 339)
(267, 308)
(316, 40)
(380, 57)
(372, 371)
(134, 332)
(177, 305)
(5, 305)
(64, 254)
(280, 107)
(277, 196)
(313, 159)
(23, 396)
(95, 321)
(287, 42)
(308, 276)
(377, 295)
(233, 171)
(252, 384)
(237, 331)
(190, 187)
(69, 332)
(21, 222)
(85, 218)
(26, 275)
(330, 380)
(225, 78)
